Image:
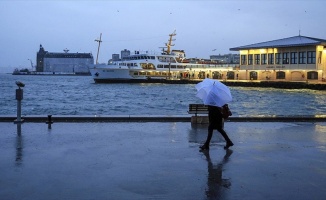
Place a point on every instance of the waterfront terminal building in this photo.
(63, 63)
(297, 58)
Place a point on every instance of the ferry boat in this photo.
(169, 65)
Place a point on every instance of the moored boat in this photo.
(169, 65)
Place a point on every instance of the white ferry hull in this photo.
(99, 73)
(108, 73)
(113, 74)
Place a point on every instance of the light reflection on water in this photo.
(78, 95)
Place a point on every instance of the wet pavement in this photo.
(161, 160)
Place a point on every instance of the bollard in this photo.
(49, 122)
(19, 98)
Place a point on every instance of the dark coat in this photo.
(215, 117)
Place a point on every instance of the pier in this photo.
(161, 160)
(313, 85)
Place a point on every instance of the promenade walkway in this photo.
(161, 160)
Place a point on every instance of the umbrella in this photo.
(213, 92)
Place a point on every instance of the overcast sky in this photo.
(201, 26)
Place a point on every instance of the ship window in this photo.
(160, 59)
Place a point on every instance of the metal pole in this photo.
(19, 97)
(19, 110)
(98, 48)
(49, 122)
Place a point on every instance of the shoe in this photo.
(204, 147)
(228, 144)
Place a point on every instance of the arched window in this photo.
(280, 75)
(216, 75)
(253, 75)
(230, 75)
(312, 75)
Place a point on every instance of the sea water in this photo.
(79, 95)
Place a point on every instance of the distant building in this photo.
(115, 57)
(297, 58)
(125, 53)
(63, 62)
(226, 58)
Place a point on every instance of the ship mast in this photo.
(98, 48)
(169, 44)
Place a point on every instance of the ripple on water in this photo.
(70, 95)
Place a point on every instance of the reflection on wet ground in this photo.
(162, 161)
(216, 184)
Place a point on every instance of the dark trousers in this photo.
(219, 128)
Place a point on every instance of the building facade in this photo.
(77, 63)
(297, 58)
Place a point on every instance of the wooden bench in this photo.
(198, 109)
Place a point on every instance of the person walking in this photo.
(215, 118)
